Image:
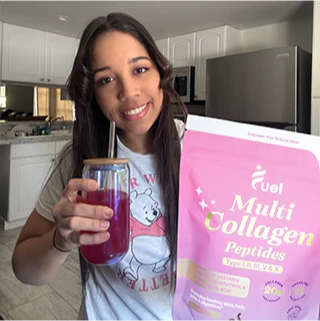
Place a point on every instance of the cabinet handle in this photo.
(53, 159)
(48, 79)
(42, 79)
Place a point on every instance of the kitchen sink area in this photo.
(53, 133)
(6, 140)
(20, 133)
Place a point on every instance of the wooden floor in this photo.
(58, 300)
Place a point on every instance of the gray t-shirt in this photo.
(138, 287)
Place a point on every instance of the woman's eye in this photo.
(105, 81)
(141, 70)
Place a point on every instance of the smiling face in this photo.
(126, 83)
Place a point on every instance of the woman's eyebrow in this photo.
(101, 69)
(132, 60)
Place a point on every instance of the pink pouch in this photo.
(249, 223)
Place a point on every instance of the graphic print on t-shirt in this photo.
(147, 231)
(148, 252)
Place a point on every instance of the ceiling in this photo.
(162, 18)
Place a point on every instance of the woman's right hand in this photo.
(72, 216)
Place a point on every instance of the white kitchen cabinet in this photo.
(27, 177)
(195, 48)
(25, 169)
(182, 50)
(30, 165)
(164, 45)
(60, 54)
(32, 149)
(209, 44)
(23, 56)
(36, 56)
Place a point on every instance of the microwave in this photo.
(183, 83)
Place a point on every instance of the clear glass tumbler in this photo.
(113, 177)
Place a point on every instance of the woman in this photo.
(118, 75)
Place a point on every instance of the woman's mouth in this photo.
(136, 113)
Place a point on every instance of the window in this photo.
(48, 102)
(3, 99)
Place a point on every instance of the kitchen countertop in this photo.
(33, 139)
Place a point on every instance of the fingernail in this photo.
(104, 224)
(92, 184)
(105, 236)
(108, 212)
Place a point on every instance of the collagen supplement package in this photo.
(249, 223)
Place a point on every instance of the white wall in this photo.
(233, 40)
(278, 35)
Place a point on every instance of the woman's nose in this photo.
(129, 89)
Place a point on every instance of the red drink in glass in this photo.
(114, 249)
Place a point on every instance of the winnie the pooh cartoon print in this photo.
(147, 235)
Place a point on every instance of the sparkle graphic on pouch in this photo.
(213, 202)
(199, 191)
(203, 204)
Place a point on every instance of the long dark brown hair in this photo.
(91, 127)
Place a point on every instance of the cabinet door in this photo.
(60, 54)
(23, 57)
(27, 177)
(163, 45)
(182, 49)
(209, 44)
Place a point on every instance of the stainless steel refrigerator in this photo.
(268, 88)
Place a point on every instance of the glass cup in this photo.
(113, 177)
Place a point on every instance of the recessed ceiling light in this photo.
(63, 18)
